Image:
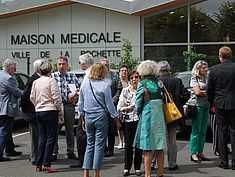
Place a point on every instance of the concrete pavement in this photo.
(112, 166)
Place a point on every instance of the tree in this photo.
(191, 57)
(226, 21)
(127, 58)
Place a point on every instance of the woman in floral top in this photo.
(126, 105)
(151, 131)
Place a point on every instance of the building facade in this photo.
(158, 30)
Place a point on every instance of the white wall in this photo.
(67, 20)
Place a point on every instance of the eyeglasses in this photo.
(136, 77)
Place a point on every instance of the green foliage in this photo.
(226, 21)
(0, 65)
(190, 57)
(127, 58)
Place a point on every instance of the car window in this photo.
(21, 80)
(185, 77)
(80, 76)
(23, 77)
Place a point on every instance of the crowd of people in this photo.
(130, 104)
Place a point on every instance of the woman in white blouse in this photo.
(126, 105)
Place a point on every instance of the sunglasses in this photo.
(136, 77)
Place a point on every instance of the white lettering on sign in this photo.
(103, 53)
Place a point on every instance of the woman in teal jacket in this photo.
(151, 131)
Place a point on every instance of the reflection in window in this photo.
(213, 21)
(211, 51)
(167, 27)
(173, 54)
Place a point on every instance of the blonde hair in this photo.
(148, 68)
(45, 67)
(37, 63)
(197, 66)
(98, 72)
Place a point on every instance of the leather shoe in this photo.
(224, 166)
(76, 165)
(109, 154)
(203, 158)
(72, 156)
(38, 168)
(233, 165)
(14, 153)
(3, 159)
(173, 168)
(48, 169)
(126, 172)
(138, 173)
(195, 160)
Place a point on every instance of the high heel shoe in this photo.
(203, 158)
(195, 160)
(38, 168)
(48, 169)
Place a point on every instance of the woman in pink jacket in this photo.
(46, 98)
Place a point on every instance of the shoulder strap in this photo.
(95, 96)
(168, 96)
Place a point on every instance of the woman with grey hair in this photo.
(198, 85)
(46, 98)
(151, 131)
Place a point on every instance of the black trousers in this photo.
(225, 120)
(130, 129)
(111, 135)
(81, 141)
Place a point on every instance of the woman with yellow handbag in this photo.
(151, 131)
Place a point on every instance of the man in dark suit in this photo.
(221, 94)
(28, 109)
(116, 88)
(9, 95)
(180, 95)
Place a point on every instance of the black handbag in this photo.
(190, 112)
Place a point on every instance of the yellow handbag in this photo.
(171, 111)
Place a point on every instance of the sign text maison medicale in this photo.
(69, 38)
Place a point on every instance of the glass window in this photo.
(213, 21)
(167, 27)
(211, 52)
(172, 54)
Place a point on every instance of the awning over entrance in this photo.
(10, 8)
